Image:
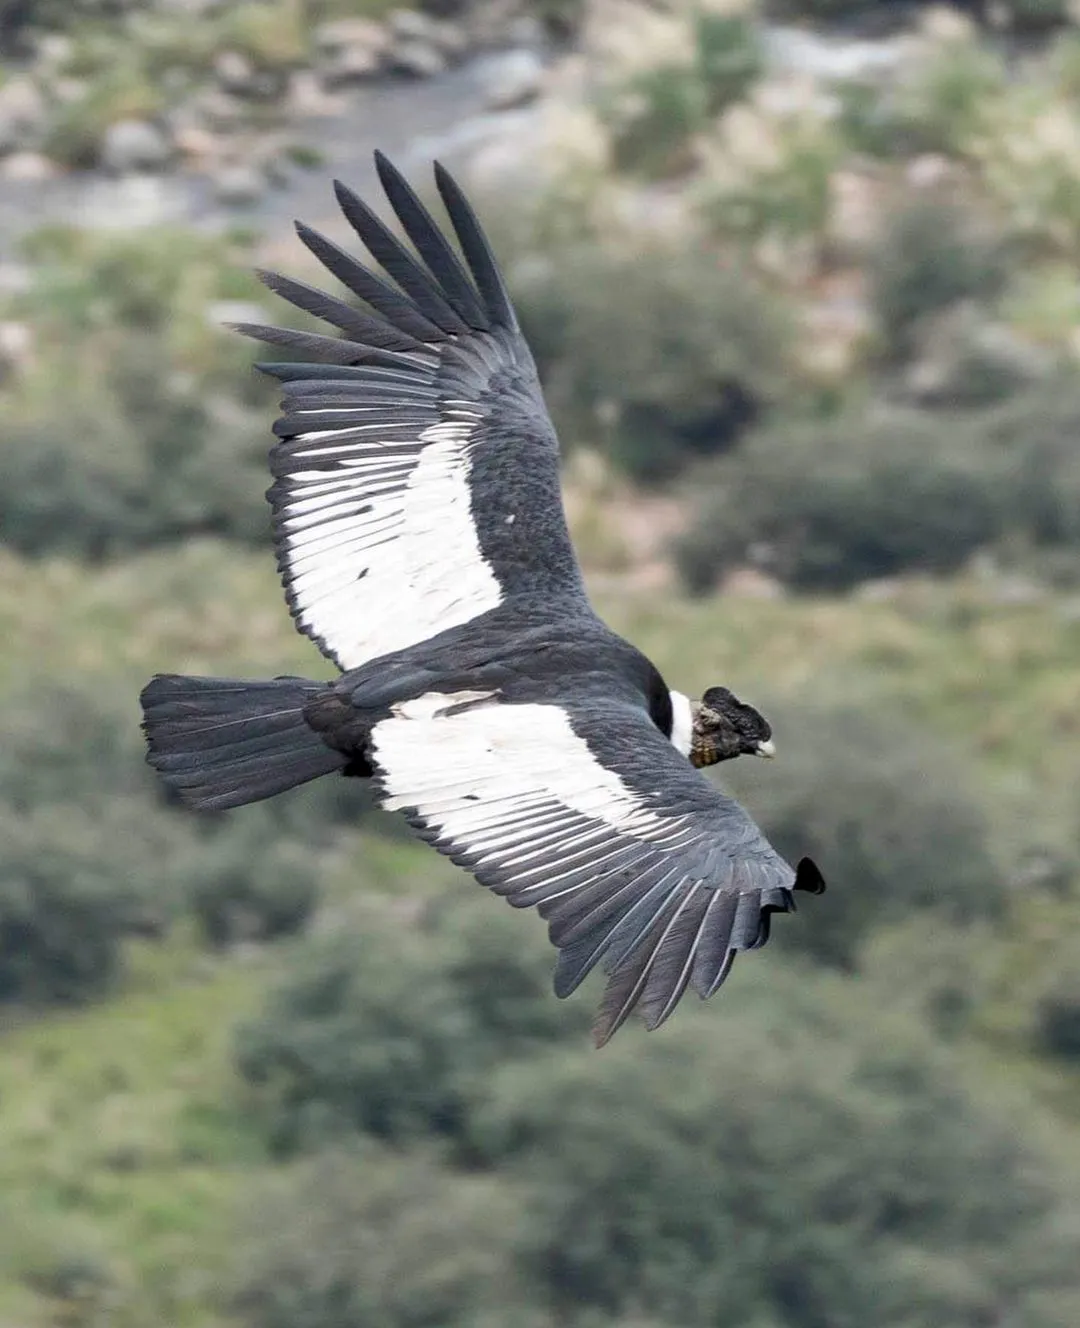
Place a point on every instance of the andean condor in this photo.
(421, 539)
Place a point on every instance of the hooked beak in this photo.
(765, 749)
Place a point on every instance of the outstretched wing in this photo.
(417, 476)
(634, 859)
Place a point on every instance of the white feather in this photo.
(485, 774)
(405, 567)
(682, 724)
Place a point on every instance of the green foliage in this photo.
(1058, 1018)
(785, 198)
(371, 1237)
(659, 357)
(77, 127)
(247, 884)
(67, 900)
(786, 1171)
(817, 1163)
(828, 504)
(931, 256)
(1034, 439)
(143, 445)
(655, 113)
(390, 1029)
(895, 827)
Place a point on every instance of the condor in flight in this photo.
(421, 539)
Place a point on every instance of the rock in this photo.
(131, 202)
(834, 59)
(410, 29)
(499, 23)
(512, 79)
(134, 145)
(239, 185)
(217, 109)
(416, 59)
(22, 115)
(929, 170)
(197, 143)
(355, 64)
(350, 50)
(28, 168)
(237, 76)
(308, 97)
(412, 25)
(342, 34)
(55, 49)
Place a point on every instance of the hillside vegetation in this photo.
(811, 343)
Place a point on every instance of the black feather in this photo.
(223, 742)
(358, 326)
(431, 245)
(476, 249)
(383, 298)
(398, 262)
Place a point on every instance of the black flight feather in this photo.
(383, 298)
(398, 262)
(358, 326)
(477, 251)
(431, 245)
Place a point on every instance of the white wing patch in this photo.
(378, 544)
(487, 773)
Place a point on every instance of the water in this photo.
(412, 121)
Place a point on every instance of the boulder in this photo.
(22, 115)
(135, 145)
(350, 50)
(239, 185)
(512, 78)
(421, 45)
(28, 168)
(237, 76)
(343, 34)
(416, 59)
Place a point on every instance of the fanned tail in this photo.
(224, 742)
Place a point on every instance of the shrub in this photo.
(1033, 440)
(389, 1031)
(1057, 1021)
(826, 504)
(73, 885)
(247, 883)
(815, 1162)
(893, 825)
(376, 1238)
(931, 256)
(151, 438)
(660, 356)
(655, 112)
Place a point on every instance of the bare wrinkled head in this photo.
(725, 728)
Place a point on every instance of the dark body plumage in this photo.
(422, 542)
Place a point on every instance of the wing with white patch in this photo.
(416, 481)
(634, 859)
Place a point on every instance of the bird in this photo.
(420, 535)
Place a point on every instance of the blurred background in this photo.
(801, 279)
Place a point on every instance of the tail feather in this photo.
(223, 742)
